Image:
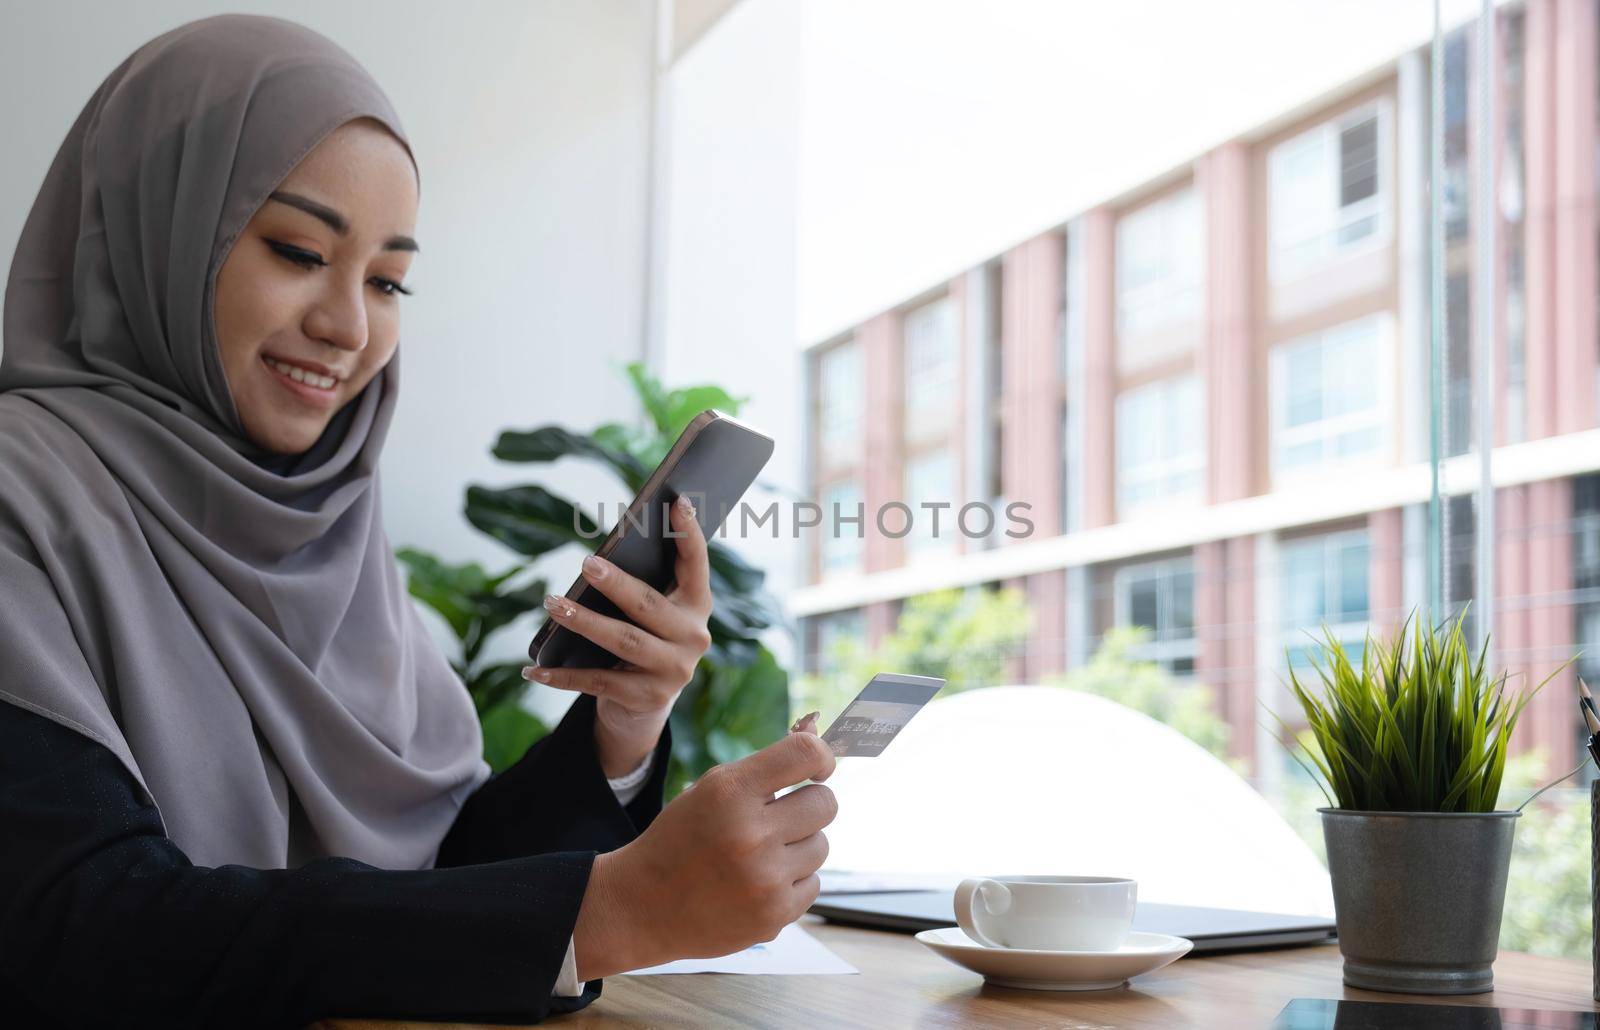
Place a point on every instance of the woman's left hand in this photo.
(659, 654)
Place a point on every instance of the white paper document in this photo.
(793, 952)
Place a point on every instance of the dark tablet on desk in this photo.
(1211, 929)
(1331, 1014)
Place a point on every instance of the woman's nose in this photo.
(340, 318)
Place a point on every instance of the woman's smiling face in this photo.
(308, 300)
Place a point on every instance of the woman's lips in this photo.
(313, 395)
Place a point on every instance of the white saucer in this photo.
(1058, 970)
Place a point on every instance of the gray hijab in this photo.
(230, 623)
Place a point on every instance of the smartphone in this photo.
(713, 462)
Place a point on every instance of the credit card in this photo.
(879, 713)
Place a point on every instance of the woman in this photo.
(238, 784)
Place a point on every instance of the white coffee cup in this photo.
(1047, 913)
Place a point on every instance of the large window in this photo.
(1159, 596)
(1586, 574)
(1159, 263)
(1324, 581)
(1330, 396)
(840, 404)
(1458, 379)
(1456, 191)
(994, 428)
(930, 359)
(1160, 445)
(842, 543)
(931, 478)
(1328, 192)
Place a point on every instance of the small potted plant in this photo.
(1409, 747)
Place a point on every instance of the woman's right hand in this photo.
(724, 866)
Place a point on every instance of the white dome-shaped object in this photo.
(1044, 780)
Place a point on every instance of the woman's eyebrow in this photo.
(322, 212)
(334, 220)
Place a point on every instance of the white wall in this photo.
(530, 121)
(726, 308)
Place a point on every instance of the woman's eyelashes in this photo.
(297, 256)
(389, 286)
(309, 259)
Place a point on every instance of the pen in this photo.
(1591, 718)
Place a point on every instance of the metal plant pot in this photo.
(1418, 897)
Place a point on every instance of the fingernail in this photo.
(534, 672)
(685, 506)
(559, 607)
(595, 566)
(799, 724)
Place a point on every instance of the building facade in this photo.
(1211, 396)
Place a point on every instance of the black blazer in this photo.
(105, 922)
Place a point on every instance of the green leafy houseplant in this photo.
(1419, 725)
(1409, 744)
(737, 701)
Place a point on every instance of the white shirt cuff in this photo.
(567, 984)
(626, 788)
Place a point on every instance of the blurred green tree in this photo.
(1117, 673)
(970, 638)
(1547, 909)
(964, 636)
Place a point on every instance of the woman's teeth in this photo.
(300, 375)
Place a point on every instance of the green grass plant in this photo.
(1418, 724)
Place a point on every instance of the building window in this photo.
(840, 406)
(1586, 574)
(931, 478)
(1455, 193)
(1160, 444)
(842, 543)
(1586, 536)
(1159, 596)
(994, 352)
(1324, 582)
(1329, 394)
(1159, 263)
(1070, 520)
(1458, 330)
(1328, 192)
(1516, 394)
(1512, 171)
(930, 358)
(1588, 642)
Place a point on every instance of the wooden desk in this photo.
(903, 984)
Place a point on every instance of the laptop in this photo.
(1211, 929)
